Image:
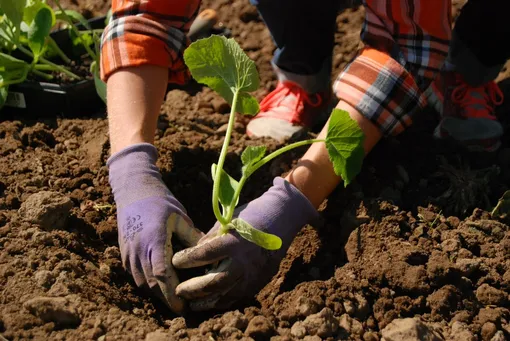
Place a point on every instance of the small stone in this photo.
(488, 295)
(409, 329)
(59, 310)
(47, 209)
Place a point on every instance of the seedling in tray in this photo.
(222, 65)
(25, 26)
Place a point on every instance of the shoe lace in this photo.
(490, 95)
(284, 89)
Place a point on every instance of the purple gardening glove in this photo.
(245, 267)
(148, 215)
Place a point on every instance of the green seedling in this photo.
(25, 26)
(503, 205)
(221, 64)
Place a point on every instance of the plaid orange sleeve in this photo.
(405, 45)
(151, 32)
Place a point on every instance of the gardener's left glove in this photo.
(245, 267)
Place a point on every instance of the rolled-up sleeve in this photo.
(405, 45)
(148, 32)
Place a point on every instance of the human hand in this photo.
(245, 267)
(148, 216)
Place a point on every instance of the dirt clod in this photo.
(489, 329)
(49, 210)
(259, 328)
(409, 329)
(322, 324)
(461, 332)
(488, 295)
(499, 336)
(60, 310)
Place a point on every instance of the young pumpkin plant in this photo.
(221, 64)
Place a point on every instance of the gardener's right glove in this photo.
(148, 215)
(245, 267)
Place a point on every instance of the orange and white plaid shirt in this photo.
(148, 32)
(406, 43)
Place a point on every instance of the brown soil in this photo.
(407, 252)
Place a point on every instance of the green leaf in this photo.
(98, 82)
(12, 70)
(250, 156)
(8, 62)
(228, 186)
(31, 10)
(221, 64)
(13, 9)
(344, 143)
(71, 17)
(503, 205)
(38, 31)
(262, 239)
(3, 94)
(84, 38)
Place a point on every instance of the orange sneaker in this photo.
(467, 112)
(288, 110)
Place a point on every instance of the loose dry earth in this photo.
(408, 252)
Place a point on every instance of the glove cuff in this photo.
(133, 174)
(297, 200)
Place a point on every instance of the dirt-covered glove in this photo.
(245, 267)
(148, 215)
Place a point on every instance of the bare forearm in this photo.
(314, 175)
(134, 99)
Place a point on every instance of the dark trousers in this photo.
(481, 40)
(303, 31)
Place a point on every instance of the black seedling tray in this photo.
(33, 98)
(43, 98)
